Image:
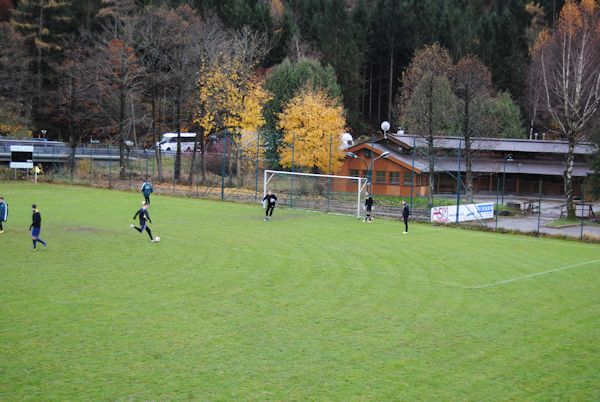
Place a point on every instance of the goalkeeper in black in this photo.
(368, 207)
(143, 216)
(270, 199)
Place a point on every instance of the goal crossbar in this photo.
(361, 182)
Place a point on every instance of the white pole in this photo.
(359, 188)
(264, 183)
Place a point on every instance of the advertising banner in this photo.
(467, 212)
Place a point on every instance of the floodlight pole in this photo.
(507, 158)
(539, 206)
(412, 172)
(458, 181)
(497, 198)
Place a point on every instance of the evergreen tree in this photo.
(284, 82)
(44, 25)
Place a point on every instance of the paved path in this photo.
(530, 224)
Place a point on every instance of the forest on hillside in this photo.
(117, 70)
(368, 43)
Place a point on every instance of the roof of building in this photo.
(545, 168)
(551, 165)
(496, 144)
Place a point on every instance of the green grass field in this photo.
(307, 307)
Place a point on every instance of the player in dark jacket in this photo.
(270, 199)
(368, 207)
(146, 191)
(143, 216)
(405, 215)
(3, 213)
(36, 227)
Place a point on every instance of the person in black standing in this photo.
(143, 216)
(270, 199)
(36, 227)
(368, 207)
(405, 215)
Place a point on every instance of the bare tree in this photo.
(75, 106)
(15, 83)
(118, 75)
(426, 102)
(472, 82)
(569, 64)
(152, 35)
(181, 63)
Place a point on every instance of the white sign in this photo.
(467, 212)
(21, 157)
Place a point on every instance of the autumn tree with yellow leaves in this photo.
(231, 97)
(312, 124)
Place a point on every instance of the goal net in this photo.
(318, 192)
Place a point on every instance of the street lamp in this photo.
(128, 144)
(507, 158)
(43, 133)
(385, 126)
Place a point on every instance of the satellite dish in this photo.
(347, 141)
(385, 126)
(129, 143)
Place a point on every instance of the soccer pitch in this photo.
(307, 307)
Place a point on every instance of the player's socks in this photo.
(43, 242)
(34, 244)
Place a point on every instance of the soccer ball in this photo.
(157, 239)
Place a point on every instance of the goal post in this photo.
(321, 192)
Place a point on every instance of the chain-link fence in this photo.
(497, 201)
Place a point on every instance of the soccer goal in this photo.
(319, 192)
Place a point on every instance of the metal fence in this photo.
(236, 175)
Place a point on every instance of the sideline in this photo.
(536, 274)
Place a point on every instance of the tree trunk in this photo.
(370, 91)
(72, 151)
(391, 84)
(157, 153)
(122, 162)
(39, 56)
(468, 152)
(430, 144)
(202, 159)
(177, 168)
(238, 158)
(569, 177)
(193, 163)
(431, 151)
(122, 105)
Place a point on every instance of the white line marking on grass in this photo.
(536, 274)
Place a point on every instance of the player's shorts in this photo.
(369, 209)
(142, 226)
(35, 232)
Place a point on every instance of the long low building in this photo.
(519, 166)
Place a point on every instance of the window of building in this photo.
(367, 153)
(365, 174)
(422, 180)
(354, 172)
(408, 179)
(394, 177)
(380, 176)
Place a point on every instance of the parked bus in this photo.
(168, 142)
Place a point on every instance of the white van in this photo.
(168, 142)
